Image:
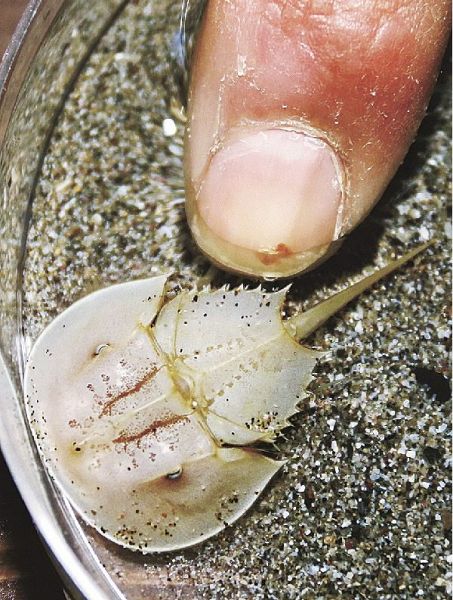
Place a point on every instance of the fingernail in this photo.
(272, 191)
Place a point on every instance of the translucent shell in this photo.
(146, 416)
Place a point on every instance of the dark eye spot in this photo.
(176, 474)
(100, 348)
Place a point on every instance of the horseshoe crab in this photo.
(148, 414)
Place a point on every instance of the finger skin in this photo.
(357, 74)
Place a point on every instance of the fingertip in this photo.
(354, 79)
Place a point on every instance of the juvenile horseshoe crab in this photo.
(148, 414)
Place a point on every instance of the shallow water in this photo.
(361, 508)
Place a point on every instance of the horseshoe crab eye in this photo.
(100, 348)
(176, 474)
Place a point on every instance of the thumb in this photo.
(299, 115)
